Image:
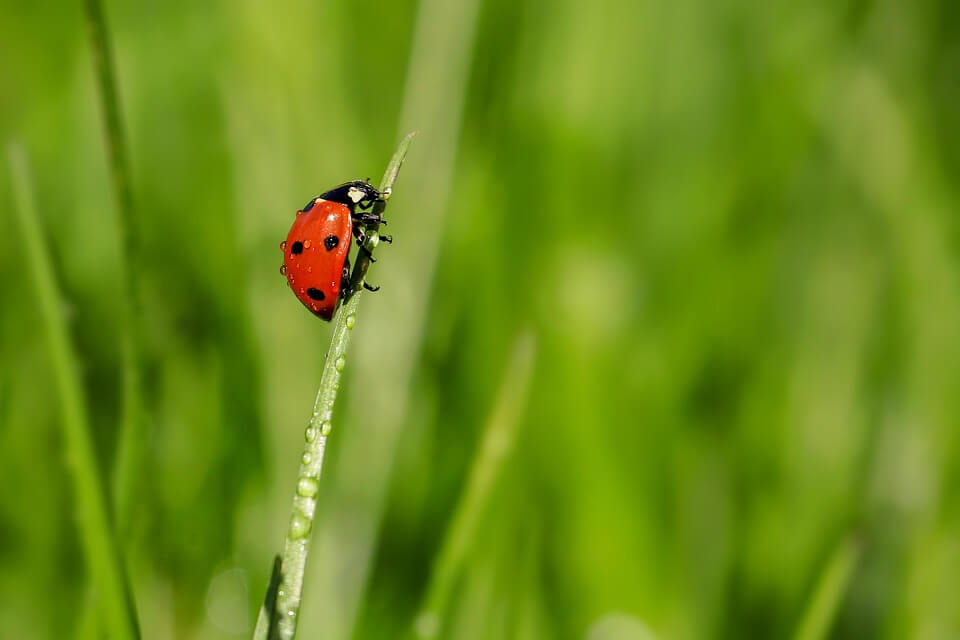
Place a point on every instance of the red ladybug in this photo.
(316, 252)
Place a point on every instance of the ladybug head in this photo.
(355, 193)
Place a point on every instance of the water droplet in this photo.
(307, 487)
(283, 246)
(292, 613)
(315, 307)
(281, 593)
(340, 363)
(306, 244)
(291, 279)
(302, 290)
(300, 526)
(283, 269)
(309, 269)
(306, 459)
(325, 428)
(311, 434)
(351, 320)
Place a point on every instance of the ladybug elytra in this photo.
(316, 258)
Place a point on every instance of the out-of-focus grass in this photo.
(493, 451)
(829, 592)
(131, 457)
(101, 553)
(730, 226)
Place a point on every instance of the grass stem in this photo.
(822, 607)
(436, 88)
(99, 546)
(130, 449)
(283, 619)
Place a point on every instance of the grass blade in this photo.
(99, 546)
(297, 544)
(434, 95)
(267, 619)
(131, 447)
(826, 598)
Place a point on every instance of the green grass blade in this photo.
(498, 439)
(434, 96)
(267, 618)
(101, 552)
(131, 439)
(289, 593)
(822, 607)
(363, 259)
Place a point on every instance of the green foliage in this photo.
(729, 226)
(100, 550)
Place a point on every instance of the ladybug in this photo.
(316, 258)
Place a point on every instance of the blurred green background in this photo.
(723, 234)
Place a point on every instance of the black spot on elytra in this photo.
(315, 294)
(297, 247)
(331, 242)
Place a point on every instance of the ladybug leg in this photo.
(345, 289)
(369, 288)
(381, 197)
(363, 205)
(367, 253)
(360, 235)
(368, 218)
